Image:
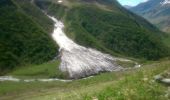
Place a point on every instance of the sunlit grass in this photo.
(136, 84)
(47, 70)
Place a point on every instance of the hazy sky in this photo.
(131, 2)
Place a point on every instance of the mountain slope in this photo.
(100, 24)
(22, 40)
(106, 26)
(156, 11)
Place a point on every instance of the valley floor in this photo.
(136, 84)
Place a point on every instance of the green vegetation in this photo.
(132, 84)
(111, 29)
(127, 64)
(138, 86)
(165, 74)
(103, 25)
(166, 40)
(50, 70)
(22, 40)
(46, 70)
(36, 14)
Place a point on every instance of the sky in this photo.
(131, 2)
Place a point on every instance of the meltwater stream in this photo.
(78, 61)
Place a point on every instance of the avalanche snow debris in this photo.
(79, 61)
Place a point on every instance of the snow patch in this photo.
(13, 79)
(165, 2)
(60, 1)
(8, 78)
(79, 61)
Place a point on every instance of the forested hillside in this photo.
(22, 39)
(101, 24)
(107, 26)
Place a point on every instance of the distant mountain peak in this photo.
(165, 2)
(127, 6)
(156, 11)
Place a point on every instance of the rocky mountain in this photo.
(103, 25)
(156, 11)
(127, 6)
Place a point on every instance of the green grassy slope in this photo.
(22, 40)
(166, 40)
(46, 70)
(50, 70)
(137, 86)
(108, 27)
(131, 84)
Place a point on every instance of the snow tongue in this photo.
(78, 61)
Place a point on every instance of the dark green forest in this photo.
(112, 29)
(22, 41)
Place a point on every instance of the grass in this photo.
(166, 40)
(47, 70)
(131, 84)
(134, 84)
(137, 86)
(50, 70)
(127, 64)
(166, 74)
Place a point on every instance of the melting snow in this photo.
(165, 2)
(60, 1)
(10, 78)
(76, 60)
(79, 61)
